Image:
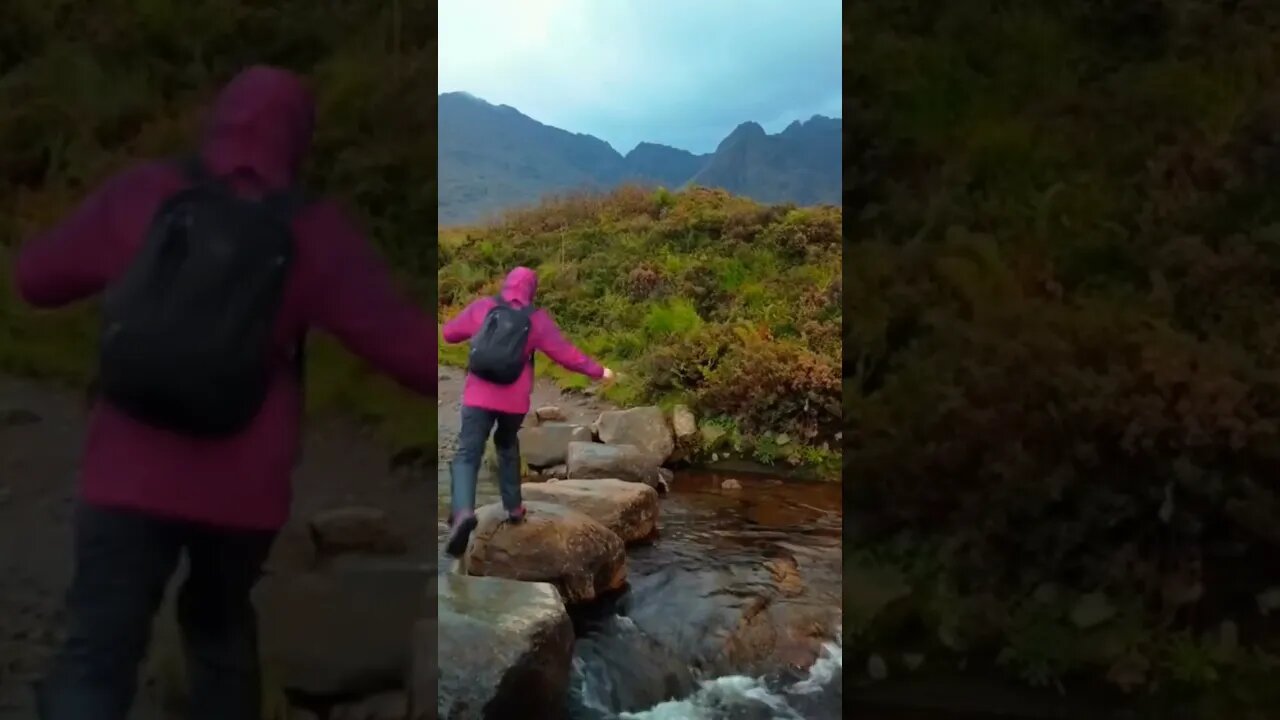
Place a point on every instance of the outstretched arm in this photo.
(352, 296)
(467, 322)
(554, 345)
(75, 259)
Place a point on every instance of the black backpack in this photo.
(187, 330)
(498, 349)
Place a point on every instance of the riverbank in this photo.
(717, 450)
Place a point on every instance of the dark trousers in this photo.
(476, 426)
(123, 562)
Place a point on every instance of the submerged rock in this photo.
(628, 509)
(578, 555)
(593, 461)
(548, 445)
(644, 427)
(730, 620)
(504, 651)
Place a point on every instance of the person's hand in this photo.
(608, 375)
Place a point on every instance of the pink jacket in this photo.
(258, 134)
(544, 337)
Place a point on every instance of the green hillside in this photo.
(698, 296)
(1062, 341)
(89, 86)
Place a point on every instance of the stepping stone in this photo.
(628, 509)
(581, 557)
(504, 650)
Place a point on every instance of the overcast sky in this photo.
(678, 72)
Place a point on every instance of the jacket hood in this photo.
(520, 286)
(260, 125)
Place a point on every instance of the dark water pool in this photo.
(733, 613)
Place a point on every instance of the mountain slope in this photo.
(662, 164)
(801, 164)
(494, 158)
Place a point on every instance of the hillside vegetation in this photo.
(1062, 348)
(697, 296)
(89, 86)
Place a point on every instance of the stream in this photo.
(733, 613)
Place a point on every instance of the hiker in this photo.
(504, 331)
(211, 272)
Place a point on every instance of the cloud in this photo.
(682, 73)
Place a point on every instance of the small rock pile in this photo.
(634, 445)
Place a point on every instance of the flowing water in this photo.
(733, 613)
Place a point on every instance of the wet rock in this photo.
(392, 705)
(731, 484)
(344, 630)
(644, 427)
(592, 461)
(555, 544)
(547, 445)
(728, 622)
(628, 509)
(509, 646)
(666, 479)
(359, 530)
(550, 413)
(786, 575)
(17, 417)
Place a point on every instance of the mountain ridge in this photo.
(494, 158)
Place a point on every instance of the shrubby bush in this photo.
(1062, 317)
(697, 296)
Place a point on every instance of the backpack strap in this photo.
(526, 310)
(284, 204)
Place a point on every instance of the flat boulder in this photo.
(628, 509)
(555, 544)
(343, 631)
(547, 445)
(594, 461)
(644, 427)
(354, 530)
(504, 650)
